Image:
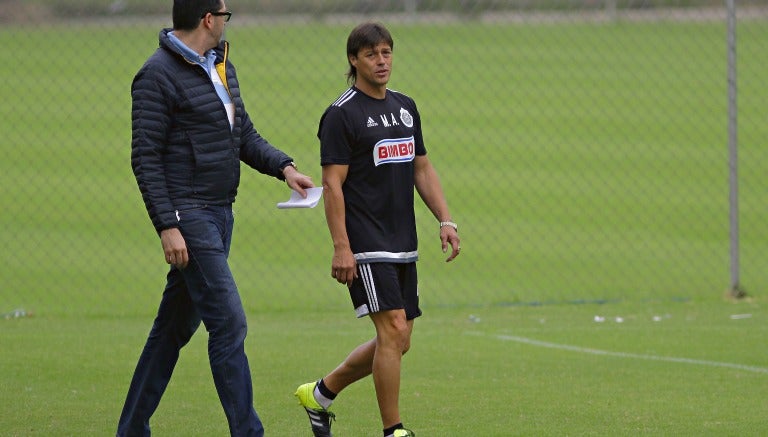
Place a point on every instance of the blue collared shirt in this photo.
(206, 63)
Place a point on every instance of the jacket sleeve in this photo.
(150, 121)
(259, 154)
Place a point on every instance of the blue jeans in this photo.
(203, 291)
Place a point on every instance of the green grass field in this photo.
(586, 165)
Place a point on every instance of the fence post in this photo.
(410, 7)
(611, 9)
(735, 289)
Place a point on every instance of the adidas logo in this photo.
(372, 122)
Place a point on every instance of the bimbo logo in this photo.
(393, 151)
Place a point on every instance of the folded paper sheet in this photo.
(296, 201)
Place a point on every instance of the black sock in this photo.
(391, 429)
(325, 391)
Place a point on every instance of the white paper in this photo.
(296, 201)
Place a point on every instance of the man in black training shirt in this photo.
(373, 155)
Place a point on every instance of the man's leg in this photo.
(213, 290)
(357, 365)
(174, 325)
(393, 336)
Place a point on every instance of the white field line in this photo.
(590, 351)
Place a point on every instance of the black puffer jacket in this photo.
(183, 151)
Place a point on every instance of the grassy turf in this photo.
(584, 164)
(462, 375)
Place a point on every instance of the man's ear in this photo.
(207, 20)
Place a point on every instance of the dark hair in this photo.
(187, 13)
(363, 36)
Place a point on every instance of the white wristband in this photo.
(451, 224)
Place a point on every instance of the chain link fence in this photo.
(582, 145)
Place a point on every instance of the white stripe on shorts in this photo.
(370, 287)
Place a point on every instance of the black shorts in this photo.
(386, 286)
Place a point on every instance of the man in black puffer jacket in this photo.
(190, 132)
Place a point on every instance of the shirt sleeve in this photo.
(150, 120)
(336, 138)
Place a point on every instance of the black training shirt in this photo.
(378, 139)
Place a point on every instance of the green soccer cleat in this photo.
(402, 432)
(319, 417)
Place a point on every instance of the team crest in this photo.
(406, 118)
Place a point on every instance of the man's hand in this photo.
(297, 181)
(175, 247)
(450, 237)
(344, 266)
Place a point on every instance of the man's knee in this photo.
(407, 346)
(394, 329)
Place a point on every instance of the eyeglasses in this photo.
(226, 14)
